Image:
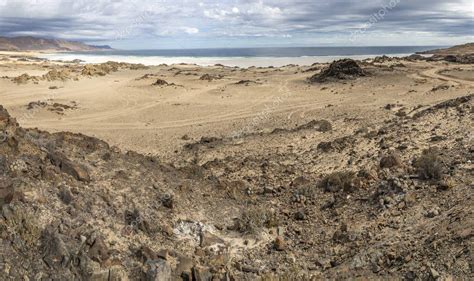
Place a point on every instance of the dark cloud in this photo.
(109, 20)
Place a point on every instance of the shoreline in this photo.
(244, 58)
(244, 62)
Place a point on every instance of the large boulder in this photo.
(55, 252)
(6, 120)
(77, 171)
(158, 270)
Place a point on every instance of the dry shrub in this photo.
(390, 161)
(338, 181)
(430, 164)
(325, 126)
(253, 220)
(319, 125)
(308, 191)
(292, 275)
(19, 223)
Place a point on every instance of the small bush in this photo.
(291, 275)
(325, 126)
(319, 125)
(253, 220)
(430, 165)
(338, 181)
(21, 225)
(390, 161)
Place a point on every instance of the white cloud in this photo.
(190, 30)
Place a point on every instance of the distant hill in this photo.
(456, 50)
(28, 43)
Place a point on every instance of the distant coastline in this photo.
(29, 43)
(270, 51)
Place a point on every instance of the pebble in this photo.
(168, 230)
(279, 243)
(434, 273)
(433, 213)
(300, 216)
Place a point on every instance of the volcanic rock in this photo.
(160, 82)
(77, 171)
(339, 70)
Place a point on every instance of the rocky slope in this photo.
(467, 48)
(28, 43)
(388, 198)
(460, 54)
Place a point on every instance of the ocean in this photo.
(242, 57)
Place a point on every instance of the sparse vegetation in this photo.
(292, 275)
(319, 125)
(253, 220)
(390, 161)
(21, 224)
(430, 165)
(338, 181)
(325, 126)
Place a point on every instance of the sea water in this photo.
(241, 57)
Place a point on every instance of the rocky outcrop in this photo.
(209, 77)
(461, 59)
(339, 70)
(77, 171)
(103, 69)
(464, 49)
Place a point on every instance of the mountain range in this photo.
(29, 43)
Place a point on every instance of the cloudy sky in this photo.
(158, 24)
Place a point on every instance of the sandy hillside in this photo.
(456, 50)
(127, 110)
(355, 170)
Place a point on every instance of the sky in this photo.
(173, 24)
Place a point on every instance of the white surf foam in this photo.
(206, 61)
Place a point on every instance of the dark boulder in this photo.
(160, 82)
(77, 171)
(339, 70)
(55, 252)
